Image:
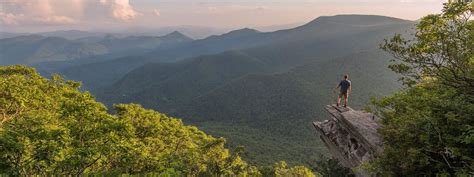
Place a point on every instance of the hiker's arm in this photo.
(338, 85)
(350, 89)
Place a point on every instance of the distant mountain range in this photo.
(195, 32)
(32, 49)
(9, 34)
(71, 34)
(67, 34)
(258, 89)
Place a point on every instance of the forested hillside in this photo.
(49, 127)
(271, 114)
(100, 74)
(170, 84)
(264, 97)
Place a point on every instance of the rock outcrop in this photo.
(351, 136)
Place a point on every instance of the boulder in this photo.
(351, 136)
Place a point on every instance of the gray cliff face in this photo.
(351, 136)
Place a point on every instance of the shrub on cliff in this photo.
(428, 128)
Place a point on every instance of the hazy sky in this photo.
(43, 15)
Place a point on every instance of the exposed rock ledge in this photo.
(351, 136)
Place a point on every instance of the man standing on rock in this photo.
(346, 88)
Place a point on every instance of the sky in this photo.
(48, 15)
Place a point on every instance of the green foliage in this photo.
(428, 127)
(331, 167)
(164, 143)
(49, 127)
(442, 48)
(282, 169)
(427, 131)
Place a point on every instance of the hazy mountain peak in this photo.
(176, 35)
(244, 31)
(237, 33)
(356, 19)
(110, 37)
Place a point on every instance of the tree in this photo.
(162, 143)
(282, 169)
(442, 49)
(49, 127)
(428, 128)
(331, 167)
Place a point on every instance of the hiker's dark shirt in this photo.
(344, 85)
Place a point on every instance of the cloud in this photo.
(212, 9)
(63, 12)
(8, 18)
(14, 12)
(53, 20)
(120, 9)
(156, 12)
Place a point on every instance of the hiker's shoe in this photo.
(345, 106)
(337, 104)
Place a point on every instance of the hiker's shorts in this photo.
(341, 94)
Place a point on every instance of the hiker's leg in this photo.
(339, 99)
(345, 99)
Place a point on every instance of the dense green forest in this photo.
(265, 97)
(271, 114)
(49, 127)
(428, 128)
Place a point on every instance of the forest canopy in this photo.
(48, 126)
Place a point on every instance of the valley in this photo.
(259, 90)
